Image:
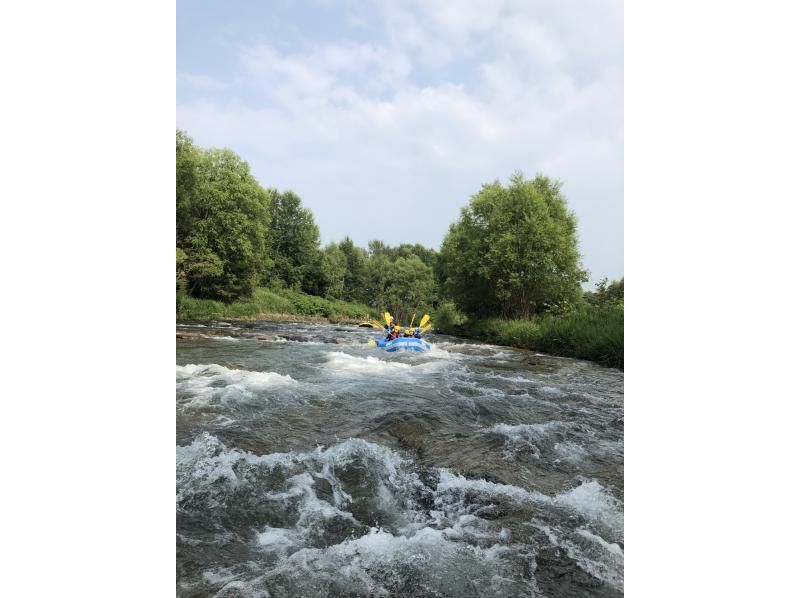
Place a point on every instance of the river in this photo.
(310, 463)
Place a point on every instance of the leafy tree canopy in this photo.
(607, 293)
(222, 224)
(514, 251)
(295, 242)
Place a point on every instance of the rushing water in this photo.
(310, 463)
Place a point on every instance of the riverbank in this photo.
(276, 305)
(592, 333)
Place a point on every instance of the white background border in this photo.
(711, 171)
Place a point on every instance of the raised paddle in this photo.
(424, 320)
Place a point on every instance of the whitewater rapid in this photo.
(310, 463)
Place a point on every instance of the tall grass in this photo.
(269, 302)
(593, 333)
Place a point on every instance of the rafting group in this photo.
(399, 338)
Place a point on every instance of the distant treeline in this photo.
(512, 253)
(234, 236)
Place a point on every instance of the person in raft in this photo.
(390, 326)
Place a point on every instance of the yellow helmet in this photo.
(397, 328)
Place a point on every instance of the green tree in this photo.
(222, 224)
(330, 278)
(401, 286)
(607, 293)
(355, 274)
(513, 252)
(295, 242)
(410, 288)
(188, 161)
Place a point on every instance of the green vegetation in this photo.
(265, 303)
(242, 248)
(513, 252)
(222, 223)
(589, 332)
(295, 243)
(508, 272)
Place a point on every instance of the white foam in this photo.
(591, 500)
(206, 463)
(213, 372)
(551, 390)
(449, 481)
(531, 438)
(439, 545)
(599, 558)
(220, 338)
(611, 547)
(280, 339)
(362, 565)
(344, 364)
(206, 383)
(571, 452)
(276, 538)
(528, 431)
(514, 379)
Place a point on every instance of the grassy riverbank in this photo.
(592, 333)
(266, 304)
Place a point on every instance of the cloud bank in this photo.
(387, 117)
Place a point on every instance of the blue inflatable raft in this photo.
(408, 343)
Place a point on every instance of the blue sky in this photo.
(385, 117)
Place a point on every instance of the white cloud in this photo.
(200, 82)
(453, 95)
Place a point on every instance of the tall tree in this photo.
(295, 241)
(355, 274)
(222, 224)
(402, 286)
(514, 251)
(410, 288)
(607, 293)
(334, 272)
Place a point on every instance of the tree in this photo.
(513, 252)
(295, 242)
(607, 294)
(410, 288)
(222, 224)
(355, 273)
(401, 286)
(326, 275)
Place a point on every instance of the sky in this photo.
(386, 117)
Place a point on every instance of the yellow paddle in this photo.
(428, 327)
(424, 320)
(387, 316)
(412, 320)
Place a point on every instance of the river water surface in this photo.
(310, 463)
